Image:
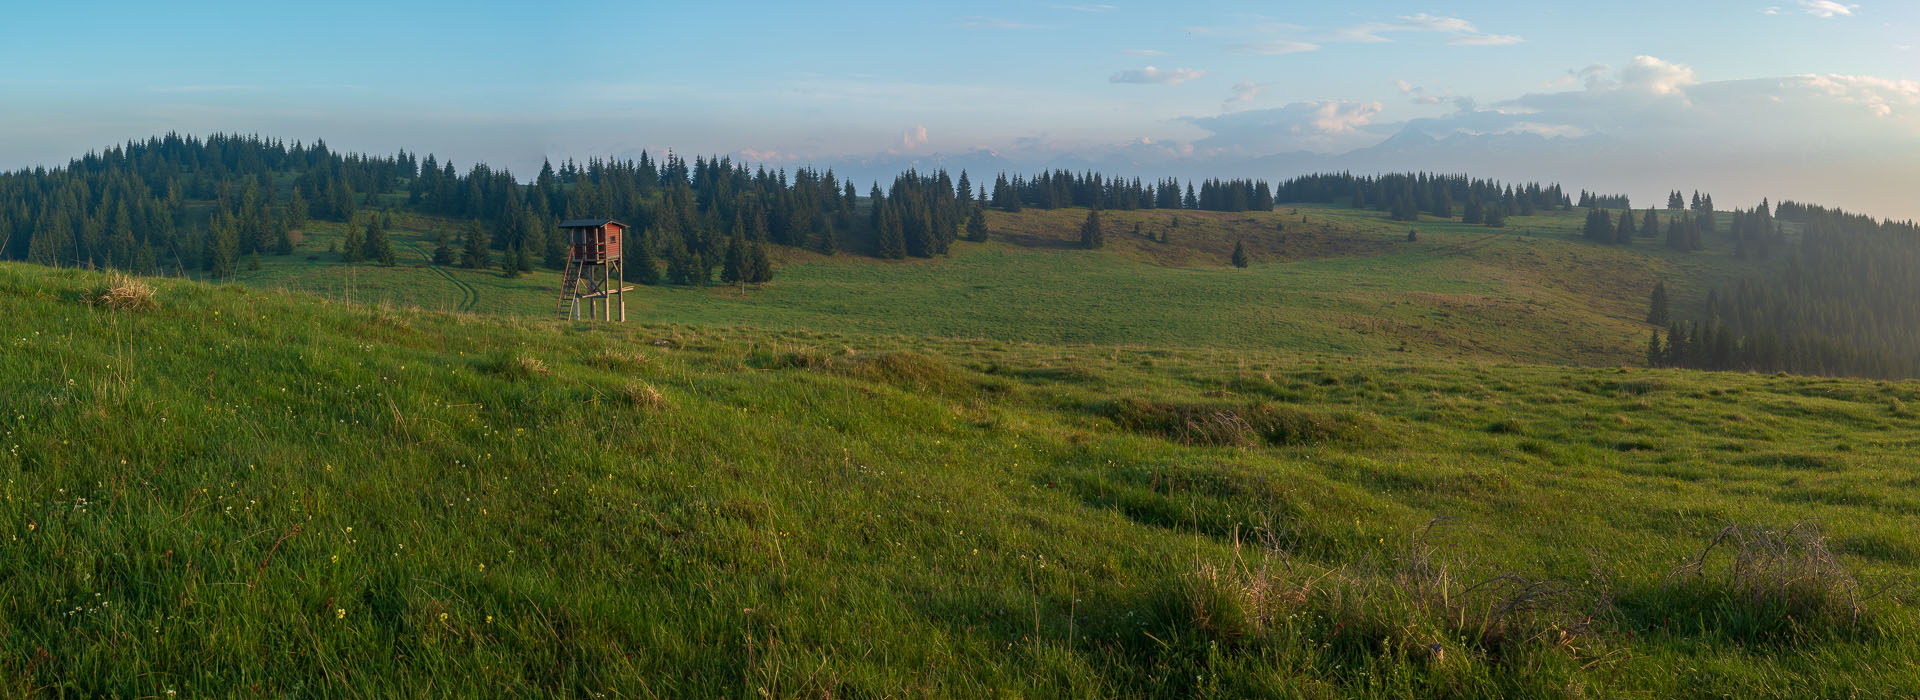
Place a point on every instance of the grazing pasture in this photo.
(220, 490)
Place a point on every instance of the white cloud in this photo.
(1155, 76)
(1419, 95)
(1142, 52)
(766, 156)
(1272, 47)
(1774, 10)
(1881, 96)
(1325, 126)
(914, 137)
(1243, 94)
(1656, 76)
(1827, 9)
(1465, 33)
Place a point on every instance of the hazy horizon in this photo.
(1805, 99)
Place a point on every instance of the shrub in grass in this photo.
(124, 292)
(514, 366)
(1758, 584)
(1413, 608)
(642, 395)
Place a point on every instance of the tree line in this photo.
(1061, 188)
(1839, 303)
(1408, 196)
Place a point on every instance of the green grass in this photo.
(1326, 280)
(249, 493)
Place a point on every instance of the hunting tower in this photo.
(595, 270)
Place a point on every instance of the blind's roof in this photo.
(589, 223)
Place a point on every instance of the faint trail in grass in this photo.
(469, 297)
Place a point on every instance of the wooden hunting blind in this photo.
(596, 272)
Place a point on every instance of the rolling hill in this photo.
(1325, 279)
(218, 490)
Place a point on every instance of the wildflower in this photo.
(443, 617)
(489, 619)
(336, 558)
(340, 613)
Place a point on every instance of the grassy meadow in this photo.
(1325, 280)
(1033, 472)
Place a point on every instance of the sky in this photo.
(1815, 100)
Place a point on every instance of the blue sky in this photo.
(1157, 87)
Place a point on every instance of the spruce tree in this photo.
(1240, 258)
(681, 267)
(1599, 226)
(892, 244)
(760, 269)
(1657, 305)
(376, 246)
(1090, 235)
(828, 241)
(977, 226)
(444, 254)
(145, 262)
(641, 262)
(474, 254)
(1623, 235)
(735, 270)
(353, 246)
(282, 239)
(511, 262)
(223, 248)
(1492, 217)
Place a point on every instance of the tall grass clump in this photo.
(1231, 425)
(1417, 608)
(124, 292)
(1760, 584)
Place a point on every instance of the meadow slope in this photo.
(240, 492)
(1324, 279)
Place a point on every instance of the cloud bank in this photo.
(1155, 76)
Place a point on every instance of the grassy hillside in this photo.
(239, 492)
(1325, 279)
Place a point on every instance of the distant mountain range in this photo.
(1593, 162)
(1510, 156)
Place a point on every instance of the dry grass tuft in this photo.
(643, 395)
(616, 360)
(1415, 605)
(1790, 575)
(125, 292)
(514, 366)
